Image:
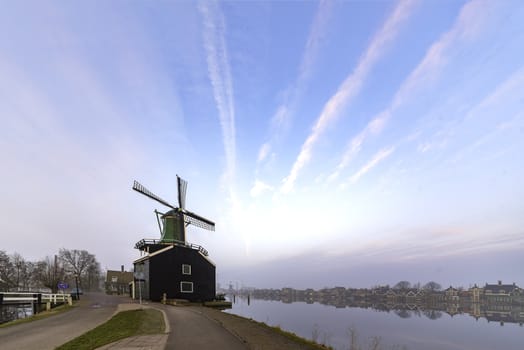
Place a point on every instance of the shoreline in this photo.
(258, 335)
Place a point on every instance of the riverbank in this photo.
(258, 335)
(252, 334)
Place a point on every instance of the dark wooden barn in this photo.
(180, 271)
(172, 267)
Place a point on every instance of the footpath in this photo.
(203, 328)
(92, 310)
(187, 327)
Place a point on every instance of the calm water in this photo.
(14, 312)
(393, 330)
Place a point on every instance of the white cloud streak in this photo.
(506, 95)
(377, 158)
(350, 87)
(259, 188)
(284, 112)
(466, 26)
(220, 77)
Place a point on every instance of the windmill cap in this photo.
(172, 212)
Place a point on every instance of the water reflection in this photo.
(14, 312)
(366, 319)
(496, 303)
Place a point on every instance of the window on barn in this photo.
(186, 287)
(186, 269)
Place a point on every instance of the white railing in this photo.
(20, 297)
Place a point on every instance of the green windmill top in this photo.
(173, 223)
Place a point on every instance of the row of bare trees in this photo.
(18, 274)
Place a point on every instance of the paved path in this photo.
(50, 332)
(190, 329)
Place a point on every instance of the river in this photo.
(14, 312)
(368, 328)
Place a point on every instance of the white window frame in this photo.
(184, 271)
(186, 291)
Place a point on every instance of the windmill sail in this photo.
(182, 187)
(137, 186)
(197, 220)
(174, 222)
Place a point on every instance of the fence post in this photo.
(34, 301)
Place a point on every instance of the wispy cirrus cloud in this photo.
(220, 76)
(505, 99)
(350, 87)
(467, 26)
(373, 162)
(355, 145)
(259, 188)
(285, 110)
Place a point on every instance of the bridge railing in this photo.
(28, 297)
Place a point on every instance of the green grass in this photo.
(38, 316)
(122, 325)
(290, 335)
(297, 339)
(300, 340)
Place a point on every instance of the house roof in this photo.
(507, 288)
(121, 276)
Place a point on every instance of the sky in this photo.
(333, 143)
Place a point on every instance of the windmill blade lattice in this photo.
(196, 220)
(137, 186)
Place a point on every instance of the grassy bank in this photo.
(259, 335)
(122, 325)
(295, 338)
(38, 316)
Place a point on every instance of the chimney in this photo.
(122, 267)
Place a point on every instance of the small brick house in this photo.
(118, 282)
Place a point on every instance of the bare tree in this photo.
(433, 314)
(76, 262)
(6, 272)
(48, 272)
(402, 285)
(93, 275)
(403, 313)
(21, 271)
(82, 265)
(432, 286)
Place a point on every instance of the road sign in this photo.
(62, 285)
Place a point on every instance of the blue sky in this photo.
(365, 142)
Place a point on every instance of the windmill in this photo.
(175, 221)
